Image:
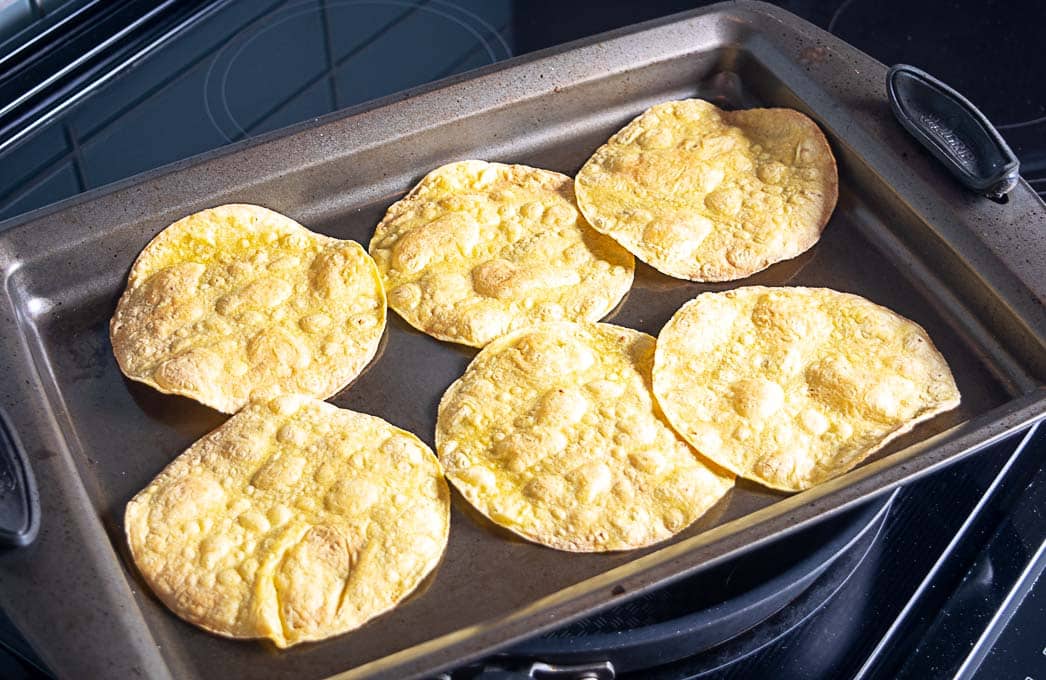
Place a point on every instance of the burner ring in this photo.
(741, 623)
(216, 82)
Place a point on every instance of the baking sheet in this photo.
(97, 438)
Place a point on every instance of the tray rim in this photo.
(719, 543)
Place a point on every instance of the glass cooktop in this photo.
(249, 67)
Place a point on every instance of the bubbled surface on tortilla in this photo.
(478, 249)
(293, 521)
(792, 386)
(240, 303)
(553, 433)
(710, 195)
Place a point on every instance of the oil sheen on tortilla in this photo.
(293, 521)
(553, 433)
(240, 303)
(792, 386)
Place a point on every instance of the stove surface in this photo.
(951, 585)
(247, 68)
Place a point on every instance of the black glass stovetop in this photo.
(947, 589)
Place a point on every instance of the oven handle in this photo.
(951, 128)
(539, 670)
(19, 500)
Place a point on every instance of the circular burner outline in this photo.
(230, 52)
(765, 602)
(813, 600)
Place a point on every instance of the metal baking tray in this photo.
(904, 235)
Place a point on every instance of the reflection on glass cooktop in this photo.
(252, 67)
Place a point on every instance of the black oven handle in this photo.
(537, 670)
(19, 501)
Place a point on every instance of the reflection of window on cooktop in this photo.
(252, 67)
